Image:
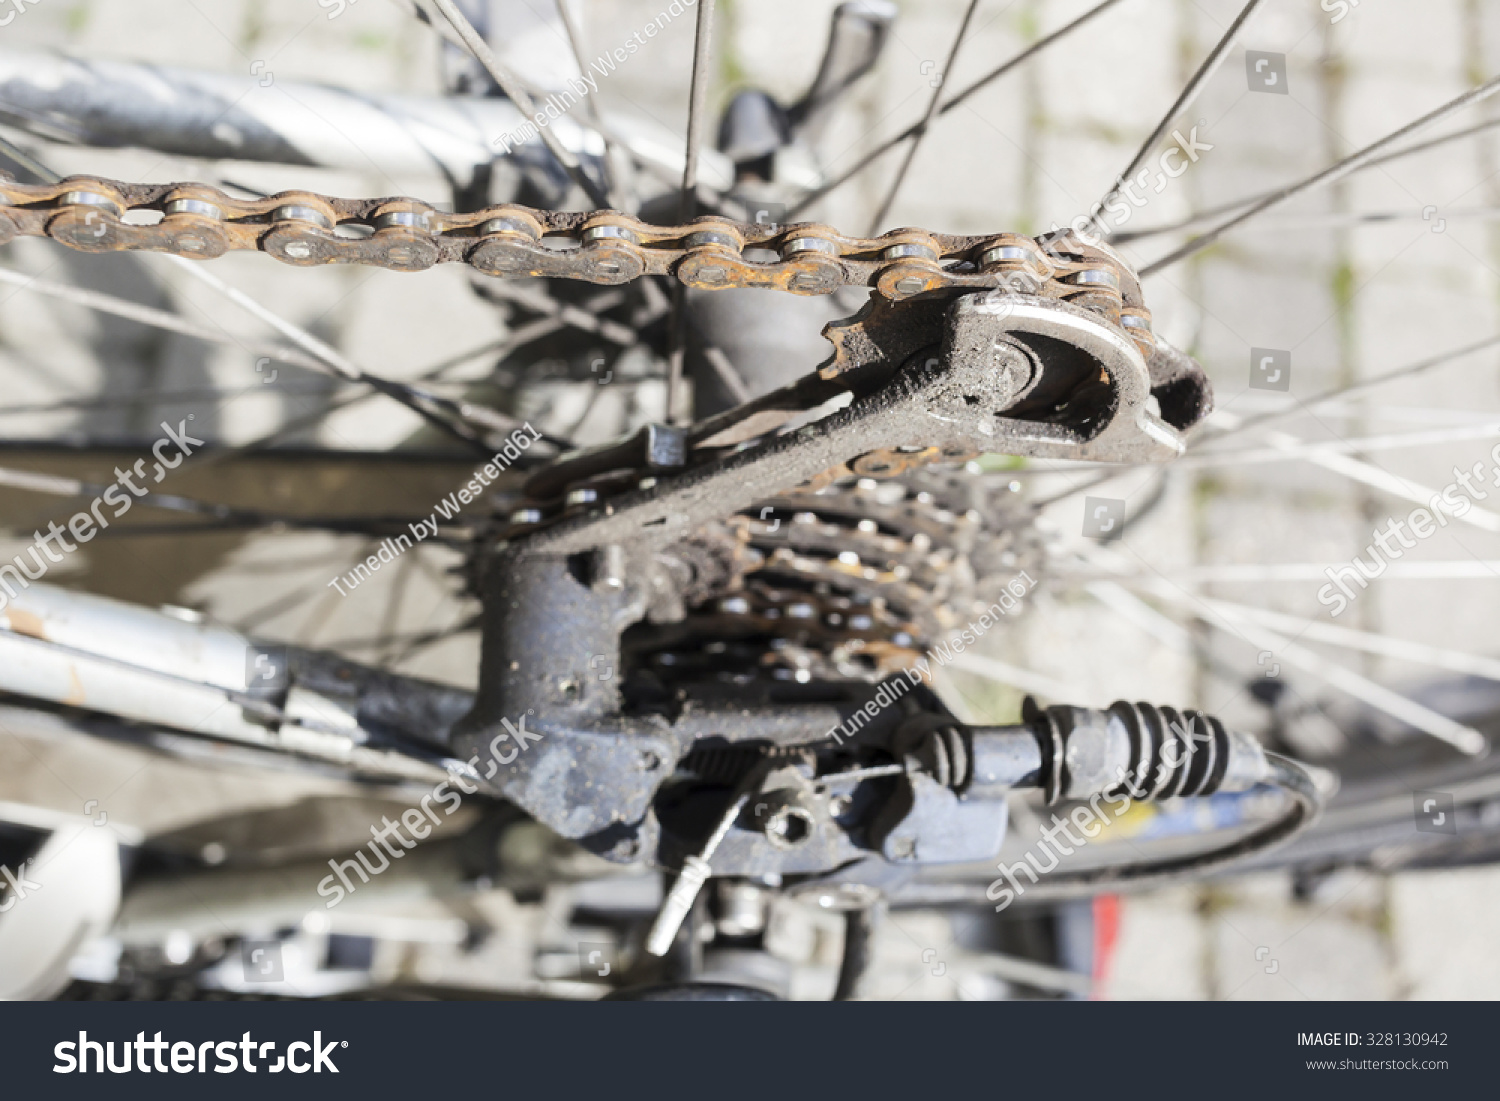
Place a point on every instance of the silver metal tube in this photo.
(105, 655)
(185, 112)
(173, 670)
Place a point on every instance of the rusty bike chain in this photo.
(306, 229)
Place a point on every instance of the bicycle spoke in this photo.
(687, 201)
(1405, 414)
(1133, 610)
(289, 601)
(518, 95)
(519, 337)
(221, 515)
(1092, 483)
(1292, 451)
(1013, 675)
(1370, 642)
(1309, 404)
(611, 144)
(927, 116)
(1344, 219)
(697, 107)
(587, 320)
(1330, 456)
(1377, 478)
(1224, 617)
(1204, 216)
(1327, 176)
(432, 638)
(1289, 652)
(158, 319)
(994, 74)
(409, 639)
(1189, 93)
(439, 412)
(214, 458)
(160, 398)
(714, 356)
(429, 407)
(1471, 569)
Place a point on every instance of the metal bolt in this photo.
(712, 274)
(788, 827)
(299, 250)
(610, 566)
(911, 284)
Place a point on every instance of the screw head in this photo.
(789, 827)
(299, 250)
(911, 284)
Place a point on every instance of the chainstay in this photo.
(306, 229)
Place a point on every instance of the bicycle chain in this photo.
(306, 229)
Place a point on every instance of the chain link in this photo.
(306, 229)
